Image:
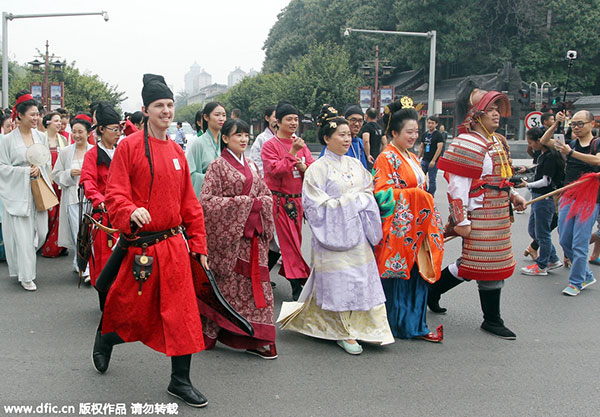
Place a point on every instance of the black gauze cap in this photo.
(283, 109)
(106, 115)
(155, 88)
(353, 109)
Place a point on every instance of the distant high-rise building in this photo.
(196, 79)
(235, 77)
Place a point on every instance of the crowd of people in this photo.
(154, 210)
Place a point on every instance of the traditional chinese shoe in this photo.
(101, 354)
(270, 353)
(351, 348)
(181, 386)
(436, 337)
(28, 285)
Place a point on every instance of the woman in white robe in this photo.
(24, 227)
(66, 174)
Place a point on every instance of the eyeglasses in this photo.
(354, 120)
(579, 124)
(114, 129)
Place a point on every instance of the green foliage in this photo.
(474, 36)
(187, 113)
(80, 89)
(323, 75)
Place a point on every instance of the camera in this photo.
(572, 55)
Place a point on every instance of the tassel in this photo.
(582, 197)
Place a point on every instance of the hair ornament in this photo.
(407, 102)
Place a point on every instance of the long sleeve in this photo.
(195, 157)
(334, 220)
(89, 179)
(12, 179)
(62, 170)
(255, 151)
(273, 164)
(192, 215)
(119, 195)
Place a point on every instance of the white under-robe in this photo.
(24, 227)
(68, 222)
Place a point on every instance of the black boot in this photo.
(446, 282)
(181, 386)
(492, 322)
(103, 346)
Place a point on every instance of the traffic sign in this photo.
(533, 119)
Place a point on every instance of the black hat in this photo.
(353, 109)
(283, 109)
(155, 88)
(106, 115)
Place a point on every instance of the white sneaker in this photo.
(87, 280)
(29, 285)
(554, 265)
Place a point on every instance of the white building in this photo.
(235, 77)
(196, 79)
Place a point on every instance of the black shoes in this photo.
(101, 353)
(492, 322)
(180, 386)
(446, 282)
(103, 346)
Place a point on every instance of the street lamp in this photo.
(9, 16)
(432, 36)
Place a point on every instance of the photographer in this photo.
(582, 158)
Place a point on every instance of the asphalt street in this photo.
(552, 369)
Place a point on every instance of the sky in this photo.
(161, 37)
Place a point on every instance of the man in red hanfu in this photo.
(149, 196)
(285, 159)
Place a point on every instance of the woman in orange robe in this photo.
(410, 253)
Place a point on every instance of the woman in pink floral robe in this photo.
(238, 210)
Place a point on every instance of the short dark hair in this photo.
(179, 124)
(236, 113)
(48, 117)
(136, 117)
(434, 119)
(269, 111)
(62, 112)
(535, 134)
(231, 127)
(372, 113)
(545, 116)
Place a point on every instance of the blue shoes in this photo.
(351, 348)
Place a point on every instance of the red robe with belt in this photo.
(282, 176)
(165, 316)
(94, 174)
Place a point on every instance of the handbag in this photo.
(43, 195)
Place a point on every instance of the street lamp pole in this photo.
(432, 36)
(9, 16)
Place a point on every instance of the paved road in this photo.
(552, 369)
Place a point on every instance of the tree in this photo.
(188, 113)
(80, 89)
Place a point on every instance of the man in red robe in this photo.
(285, 159)
(149, 196)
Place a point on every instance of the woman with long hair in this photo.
(25, 228)
(207, 148)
